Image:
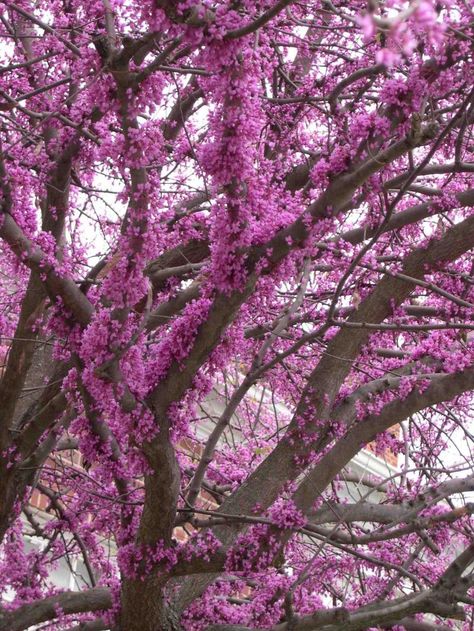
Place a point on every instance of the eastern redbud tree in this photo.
(268, 202)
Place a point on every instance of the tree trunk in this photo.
(144, 608)
(7, 500)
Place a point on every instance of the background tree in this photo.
(273, 198)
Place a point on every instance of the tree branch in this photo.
(96, 599)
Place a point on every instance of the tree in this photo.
(270, 198)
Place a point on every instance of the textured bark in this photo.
(144, 607)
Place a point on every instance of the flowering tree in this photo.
(271, 199)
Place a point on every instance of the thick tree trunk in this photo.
(7, 500)
(144, 608)
(143, 601)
